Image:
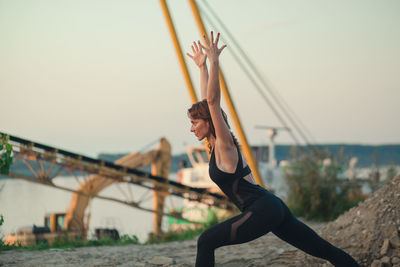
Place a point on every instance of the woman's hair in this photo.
(200, 110)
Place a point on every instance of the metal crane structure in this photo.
(44, 163)
(272, 133)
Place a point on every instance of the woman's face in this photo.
(200, 128)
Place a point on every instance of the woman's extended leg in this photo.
(302, 237)
(249, 225)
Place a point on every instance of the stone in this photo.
(394, 242)
(385, 247)
(161, 260)
(386, 261)
(376, 263)
(395, 260)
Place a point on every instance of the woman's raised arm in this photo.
(200, 59)
(223, 134)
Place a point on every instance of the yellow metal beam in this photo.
(246, 148)
(179, 53)
(178, 50)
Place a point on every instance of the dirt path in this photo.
(260, 252)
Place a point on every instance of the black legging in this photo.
(268, 213)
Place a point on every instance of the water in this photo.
(24, 203)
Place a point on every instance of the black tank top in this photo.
(241, 192)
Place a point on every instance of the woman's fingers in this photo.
(210, 45)
(189, 55)
(205, 41)
(197, 48)
(217, 39)
(194, 51)
(200, 46)
(203, 47)
(222, 48)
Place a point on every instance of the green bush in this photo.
(5, 154)
(63, 242)
(316, 190)
(126, 239)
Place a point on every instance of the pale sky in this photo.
(103, 76)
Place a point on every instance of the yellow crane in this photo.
(73, 223)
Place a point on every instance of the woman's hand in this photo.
(198, 56)
(211, 48)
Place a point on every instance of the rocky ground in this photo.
(369, 232)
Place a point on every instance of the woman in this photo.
(262, 212)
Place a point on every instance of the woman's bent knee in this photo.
(204, 240)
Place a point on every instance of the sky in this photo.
(103, 77)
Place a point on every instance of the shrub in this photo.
(5, 154)
(316, 190)
(63, 242)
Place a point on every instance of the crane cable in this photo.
(257, 74)
(255, 84)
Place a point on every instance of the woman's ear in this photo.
(208, 124)
(210, 128)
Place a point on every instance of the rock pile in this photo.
(369, 232)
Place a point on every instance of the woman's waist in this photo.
(260, 198)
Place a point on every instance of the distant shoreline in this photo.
(368, 155)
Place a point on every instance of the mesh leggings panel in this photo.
(237, 224)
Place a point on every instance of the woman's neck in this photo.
(211, 140)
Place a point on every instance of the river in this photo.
(25, 203)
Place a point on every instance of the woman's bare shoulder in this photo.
(226, 157)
